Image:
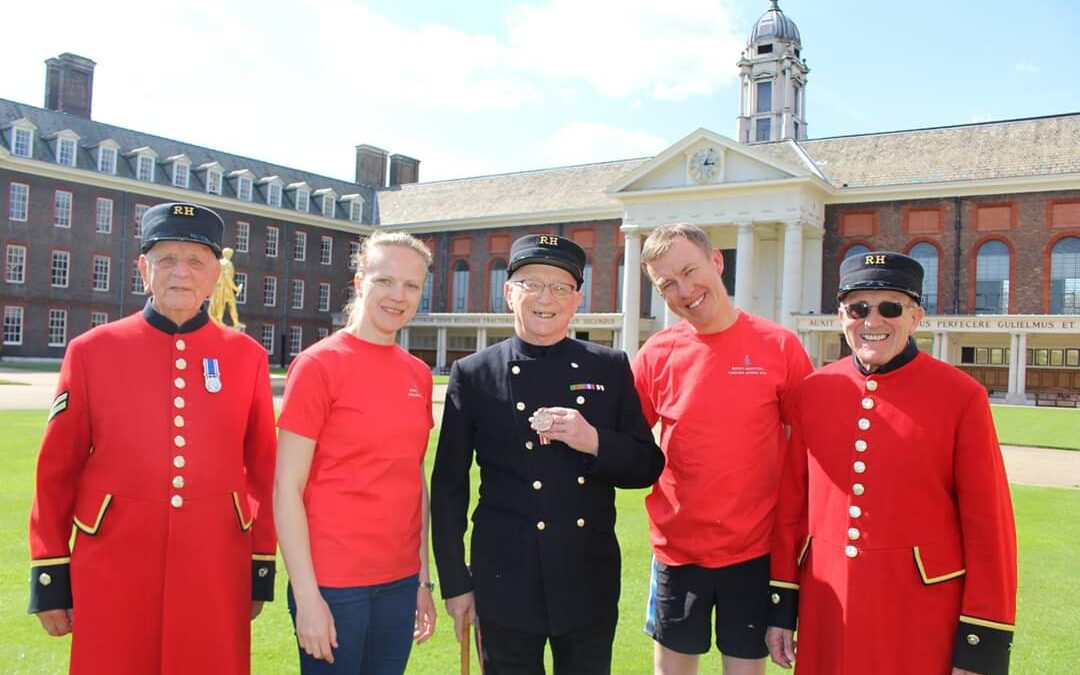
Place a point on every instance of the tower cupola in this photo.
(772, 75)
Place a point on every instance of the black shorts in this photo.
(681, 602)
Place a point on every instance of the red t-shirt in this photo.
(719, 400)
(368, 407)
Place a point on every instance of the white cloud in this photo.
(1027, 68)
(583, 142)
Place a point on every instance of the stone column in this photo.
(481, 338)
(813, 256)
(1013, 340)
(440, 350)
(744, 267)
(944, 347)
(631, 288)
(791, 293)
(936, 350)
(403, 338)
(1021, 368)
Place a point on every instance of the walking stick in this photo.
(465, 639)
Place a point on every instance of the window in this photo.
(497, 278)
(15, 266)
(62, 209)
(106, 160)
(213, 181)
(269, 291)
(103, 215)
(322, 332)
(13, 325)
(19, 202)
(181, 177)
(425, 297)
(267, 337)
(22, 143)
(857, 249)
(992, 278)
(354, 251)
(1065, 276)
(243, 232)
(299, 248)
(764, 97)
(60, 269)
(140, 211)
(303, 198)
(764, 49)
(356, 210)
(328, 205)
(137, 286)
(241, 280)
(57, 327)
(144, 168)
(762, 129)
(586, 288)
(460, 301)
(927, 255)
(326, 250)
(98, 319)
(100, 279)
(65, 151)
(296, 340)
(243, 188)
(273, 194)
(296, 294)
(324, 297)
(271, 241)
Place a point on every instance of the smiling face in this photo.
(179, 275)
(541, 318)
(689, 280)
(875, 340)
(388, 292)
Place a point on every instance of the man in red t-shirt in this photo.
(716, 382)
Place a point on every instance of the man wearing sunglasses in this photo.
(894, 546)
(555, 425)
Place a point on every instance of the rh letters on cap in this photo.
(181, 210)
(549, 240)
(874, 259)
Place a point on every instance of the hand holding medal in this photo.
(542, 421)
(565, 425)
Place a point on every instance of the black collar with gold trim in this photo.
(158, 320)
(911, 350)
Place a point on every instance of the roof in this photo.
(774, 25)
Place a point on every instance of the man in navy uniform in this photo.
(555, 425)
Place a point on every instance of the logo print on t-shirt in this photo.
(414, 391)
(748, 368)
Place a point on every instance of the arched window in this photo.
(586, 288)
(498, 278)
(425, 297)
(857, 249)
(461, 287)
(1065, 276)
(927, 255)
(992, 278)
(619, 285)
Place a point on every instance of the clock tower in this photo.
(772, 79)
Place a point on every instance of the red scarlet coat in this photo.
(895, 532)
(169, 488)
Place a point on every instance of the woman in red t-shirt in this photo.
(350, 497)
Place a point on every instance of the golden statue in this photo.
(225, 292)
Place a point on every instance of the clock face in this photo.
(704, 165)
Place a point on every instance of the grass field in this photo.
(1042, 427)
(1048, 621)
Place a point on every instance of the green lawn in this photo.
(1043, 427)
(1046, 640)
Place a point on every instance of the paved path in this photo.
(1027, 466)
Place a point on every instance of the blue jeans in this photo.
(374, 628)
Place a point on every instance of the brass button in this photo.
(540, 525)
(581, 522)
(529, 445)
(177, 501)
(871, 385)
(515, 370)
(860, 445)
(178, 421)
(44, 579)
(181, 364)
(859, 467)
(180, 344)
(263, 571)
(179, 383)
(179, 441)
(857, 489)
(178, 402)
(537, 485)
(864, 423)
(854, 511)
(520, 406)
(178, 482)
(775, 597)
(868, 403)
(581, 480)
(972, 639)
(179, 461)
(851, 551)
(853, 533)
(580, 400)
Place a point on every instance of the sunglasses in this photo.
(886, 308)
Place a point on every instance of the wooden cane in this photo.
(465, 639)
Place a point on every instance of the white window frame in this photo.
(103, 215)
(60, 268)
(271, 241)
(22, 149)
(327, 207)
(19, 202)
(296, 340)
(181, 177)
(324, 296)
(137, 285)
(63, 205)
(266, 337)
(322, 332)
(245, 188)
(269, 291)
(145, 167)
(98, 319)
(240, 279)
(299, 250)
(356, 210)
(14, 322)
(296, 294)
(58, 327)
(354, 250)
(243, 236)
(101, 272)
(106, 159)
(140, 211)
(213, 181)
(326, 250)
(273, 194)
(303, 199)
(66, 150)
(15, 264)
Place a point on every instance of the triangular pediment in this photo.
(705, 159)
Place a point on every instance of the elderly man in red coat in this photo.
(160, 451)
(895, 542)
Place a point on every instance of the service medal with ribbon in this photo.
(211, 375)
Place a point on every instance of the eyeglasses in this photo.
(534, 287)
(886, 308)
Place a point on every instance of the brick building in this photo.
(992, 210)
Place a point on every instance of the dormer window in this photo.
(327, 201)
(22, 138)
(106, 157)
(67, 145)
(356, 207)
(181, 171)
(213, 181)
(145, 164)
(301, 196)
(273, 190)
(243, 188)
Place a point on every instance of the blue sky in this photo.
(485, 86)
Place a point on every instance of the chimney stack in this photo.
(403, 170)
(371, 166)
(69, 84)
